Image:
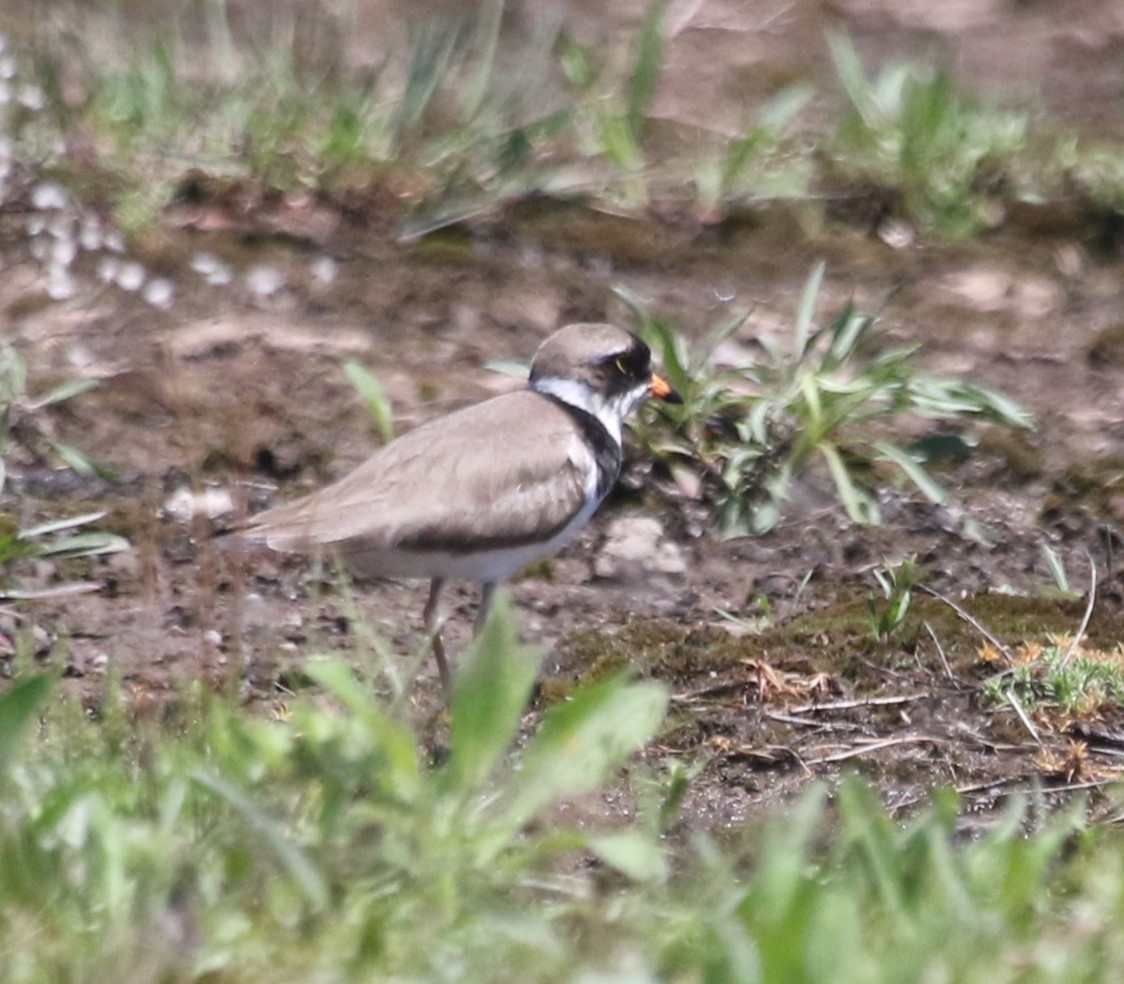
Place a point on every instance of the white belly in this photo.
(486, 567)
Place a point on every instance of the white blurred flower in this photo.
(61, 226)
(89, 235)
(160, 292)
(32, 97)
(212, 269)
(48, 196)
(63, 252)
(107, 269)
(60, 283)
(35, 224)
(325, 269)
(264, 281)
(7, 67)
(114, 241)
(131, 276)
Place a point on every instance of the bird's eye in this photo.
(619, 363)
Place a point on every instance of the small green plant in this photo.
(745, 431)
(1058, 574)
(896, 585)
(25, 433)
(720, 177)
(371, 391)
(23, 428)
(618, 121)
(913, 130)
(888, 900)
(56, 540)
(1059, 681)
(1092, 167)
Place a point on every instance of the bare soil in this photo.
(242, 391)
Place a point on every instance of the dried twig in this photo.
(793, 719)
(770, 754)
(846, 705)
(711, 690)
(940, 651)
(980, 787)
(1027, 723)
(875, 747)
(1088, 614)
(967, 616)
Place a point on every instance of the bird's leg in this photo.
(433, 628)
(487, 593)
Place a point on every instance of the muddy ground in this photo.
(238, 388)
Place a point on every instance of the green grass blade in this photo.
(74, 459)
(83, 545)
(852, 75)
(785, 106)
(645, 75)
(631, 853)
(488, 31)
(913, 469)
(1057, 569)
(807, 310)
(18, 708)
(849, 330)
(490, 693)
(395, 740)
(57, 525)
(306, 876)
(374, 395)
(583, 740)
(860, 507)
(64, 391)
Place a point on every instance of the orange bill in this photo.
(661, 390)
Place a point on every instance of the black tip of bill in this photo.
(661, 390)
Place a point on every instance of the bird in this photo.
(480, 493)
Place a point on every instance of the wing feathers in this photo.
(497, 474)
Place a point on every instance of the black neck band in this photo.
(606, 451)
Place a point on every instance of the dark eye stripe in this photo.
(634, 362)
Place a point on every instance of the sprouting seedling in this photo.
(896, 585)
(374, 395)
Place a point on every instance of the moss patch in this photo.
(836, 640)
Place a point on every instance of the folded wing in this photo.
(499, 474)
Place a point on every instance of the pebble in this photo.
(264, 281)
(635, 549)
(183, 504)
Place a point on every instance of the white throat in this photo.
(611, 412)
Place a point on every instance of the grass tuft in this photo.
(745, 431)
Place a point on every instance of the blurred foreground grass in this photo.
(208, 843)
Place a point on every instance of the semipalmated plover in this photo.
(481, 493)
